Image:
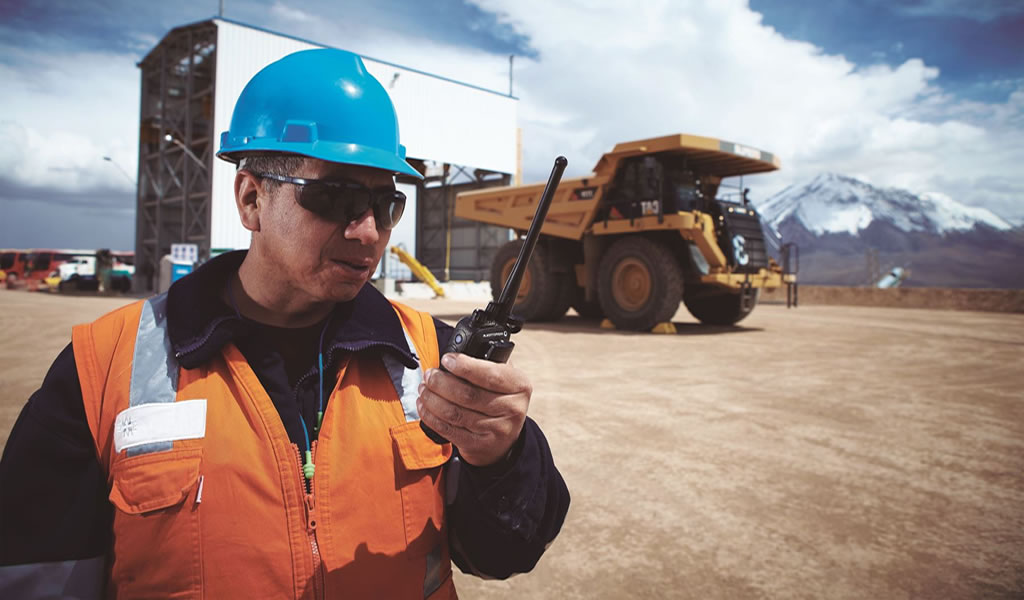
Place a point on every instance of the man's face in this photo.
(328, 261)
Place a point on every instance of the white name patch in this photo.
(159, 422)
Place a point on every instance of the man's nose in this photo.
(363, 228)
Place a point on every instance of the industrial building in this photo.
(458, 135)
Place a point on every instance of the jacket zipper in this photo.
(310, 504)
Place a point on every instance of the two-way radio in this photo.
(485, 334)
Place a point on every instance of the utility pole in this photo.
(220, 13)
(510, 57)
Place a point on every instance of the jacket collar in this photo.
(199, 323)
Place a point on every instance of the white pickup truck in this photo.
(79, 272)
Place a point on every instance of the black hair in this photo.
(276, 163)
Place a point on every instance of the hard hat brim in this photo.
(352, 154)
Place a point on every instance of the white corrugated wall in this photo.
(450, 122)
(241, 53)
(439, 120)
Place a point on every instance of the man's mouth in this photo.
(359, 265)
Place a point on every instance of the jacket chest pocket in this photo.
(419, 474)
(157, 550)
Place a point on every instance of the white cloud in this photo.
(611, 72)
(607, 72)
(61, 113)
(143, 42)
(291, 14)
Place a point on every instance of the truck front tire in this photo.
(721, 308)
(639, 284)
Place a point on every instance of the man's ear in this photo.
(247, 188)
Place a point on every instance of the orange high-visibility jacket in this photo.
(209, 496)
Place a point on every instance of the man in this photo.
(255, 432)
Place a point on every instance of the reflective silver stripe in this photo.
(432, 580)
(77, 579)
(411, 380)
(154, 369)
(406, 381)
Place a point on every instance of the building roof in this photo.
(213, 21)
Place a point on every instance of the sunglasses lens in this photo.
(348, 204)
(388, 209)
(319, 200)
(330, 203)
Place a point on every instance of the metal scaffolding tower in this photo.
(178, 141)
(176, 146)
(454, 248)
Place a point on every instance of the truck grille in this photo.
(738, 220)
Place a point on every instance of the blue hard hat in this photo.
(319, 103)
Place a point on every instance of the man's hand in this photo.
(480, 406)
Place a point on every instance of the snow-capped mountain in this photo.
(841, 224)
(832, 203)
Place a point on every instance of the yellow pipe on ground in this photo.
(422, 273)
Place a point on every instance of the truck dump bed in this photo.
(572, 209)
(576, 203)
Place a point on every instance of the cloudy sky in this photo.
(922, 94)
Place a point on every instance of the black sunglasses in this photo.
(345, 201)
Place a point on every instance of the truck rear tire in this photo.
(639, 284)
(543, 294)
(721, 308)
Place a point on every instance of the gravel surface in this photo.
(820, 452)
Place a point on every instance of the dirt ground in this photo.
(823, 452)
(976, 300)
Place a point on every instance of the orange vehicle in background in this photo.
(34, 266)
(12, 265)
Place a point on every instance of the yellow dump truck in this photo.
(648, 228)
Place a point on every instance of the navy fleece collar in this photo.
(199, 323)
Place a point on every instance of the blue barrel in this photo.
(179, 270)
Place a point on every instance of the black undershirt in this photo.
(298, 347)
(285, 361)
